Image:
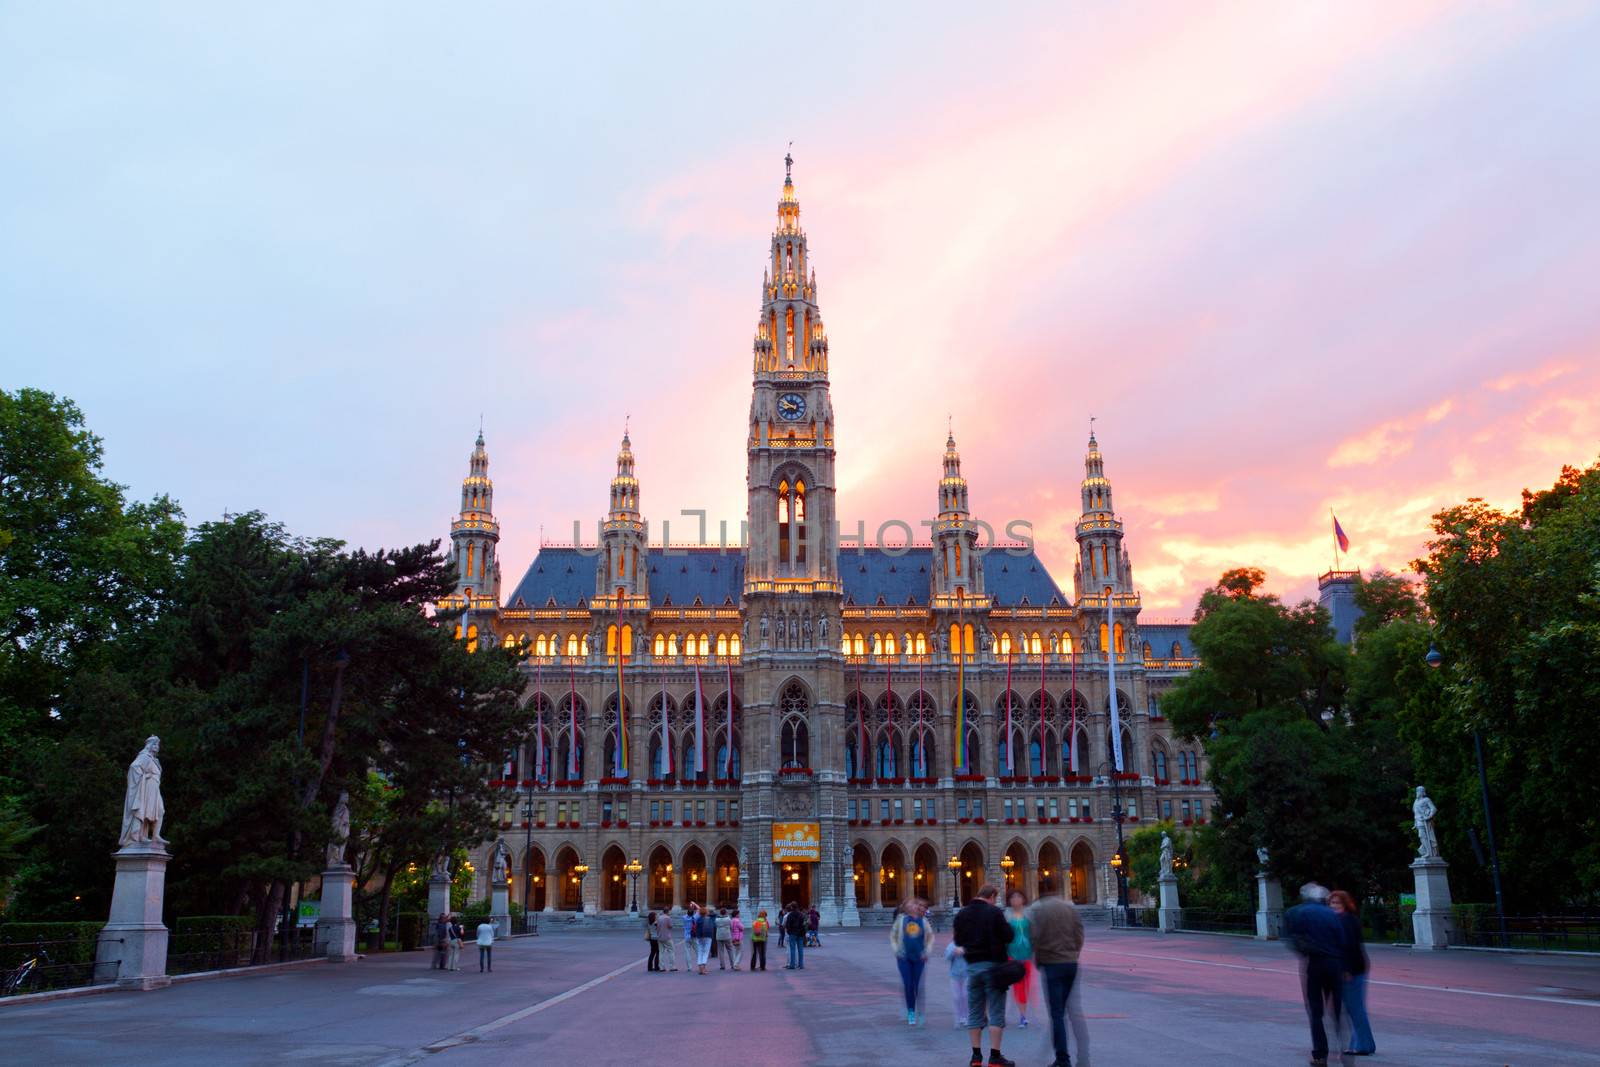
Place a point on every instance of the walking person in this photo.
(664, 941)
(956, 957)
(912, 941)
(1056, 931)
(1356, 965)
(653, 963)
(736, 931)
(1021, 950)
(441, 941)
(794, 930)
(690, 949)
(758, 941)
(705, 934)
(724, 937)
(1317, 934)
(984, 934)
(458, 935)
(813, 928)
(485, 946)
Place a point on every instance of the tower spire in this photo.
(475, 534)
(624, 536)
(789, 334)
(958, 570)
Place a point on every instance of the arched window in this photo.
(611, 640)
(922, 644)
(660, 755)
(1177, 650)
(1148, 653)
(572, 644)
(719, 716)
(569, 742)
(722, 645)
(889, 646)
(735, 645)
(795, 735)
(472, 638)
(627, 641)
(967, 644)
(1121, 639)
(877, 644)
(1158, 763)
(1004, 644)
(955, 639)
(539, 646)
(659, 646)
(672, 644)
(861, 644)
(886, 755)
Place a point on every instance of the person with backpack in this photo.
(911, 941)
(794, 932)
(984, 935)
(758, 941)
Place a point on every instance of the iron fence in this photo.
(1199, 920)
(1547, 933)
(209, 948)
(35, 965)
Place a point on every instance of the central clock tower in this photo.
(793, 668)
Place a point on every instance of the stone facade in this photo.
(842, 666)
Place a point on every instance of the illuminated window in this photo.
(572, 644)
(968, 644)
(583, 645)
(705, 644)
(889, 647)
(1004, 644)
(672, 644)
(627, 641)
(788, 335)
(539, 646)
(955, 638)
(877, 644)
(472, 638)
(1122, 642)
(509, 642)
(861, 645)
(469, 557)
(611, 640)
(722, 644)
(1104, 638)
(735, 645)
(660, 645)
(922, 644)
(1035, 644)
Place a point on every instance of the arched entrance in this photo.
(891, 877)
(795, 884)
(925, 873)
(1082, 878)
(660, 892)
(972, 871)
(571, 881)
(1017, 873)
(1049, 869)
(534, 884)
(726, 891)
(861, 865)
(694, 875)
(614, 880)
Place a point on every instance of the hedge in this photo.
(65, 942)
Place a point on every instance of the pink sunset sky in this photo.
(1290, 257)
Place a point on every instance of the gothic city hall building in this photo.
(793, 719)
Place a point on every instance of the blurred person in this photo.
(1057, 935)
(912, 942)
(982, 930)
(1361, 1042)
(1021, 950)
(1318, 935)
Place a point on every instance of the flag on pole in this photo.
(666, 734)
(1339, 535)
(572, 741)
(538, 722)
(621, 768)
(729, 774)
(961, 704)
(1111, 679)
(862, 762)
(1072, 745)
(889, 675)
(920, 764)
(1042, 760)
(699, 725)
(1011, 740)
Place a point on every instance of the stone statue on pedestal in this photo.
(1423, 811)
(1166, 854)
(441, 865)
(341, 832)
(1261, 857)
(497, 871)
(822, 631)
(142, 809)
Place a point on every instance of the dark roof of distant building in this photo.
(678, 576)
(1162, 635)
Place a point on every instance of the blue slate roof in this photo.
(1161, 636)
(566, 575)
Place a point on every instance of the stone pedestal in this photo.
(745, 912)
(132, 951)
(849, 916)
(336, 925)
(1269, 907)
(500, 908)
(438, 900)
(1171, 912)
(1431, 924)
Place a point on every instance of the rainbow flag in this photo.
(622, 713)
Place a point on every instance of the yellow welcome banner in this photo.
(796, 841)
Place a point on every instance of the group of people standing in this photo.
(448, 937)
(1325, 929)
(719, 934)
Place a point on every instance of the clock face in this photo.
(791, 407)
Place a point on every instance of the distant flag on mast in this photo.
(729, 774)
(699, 725)
(1339, 535)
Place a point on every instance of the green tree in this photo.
(1515, 603)
(80, 565)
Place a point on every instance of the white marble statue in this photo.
(142, 809)
(1261, 857)
(1166, 854)
(341, 831)
(1423, 811)
(441, 865)
(497, 873)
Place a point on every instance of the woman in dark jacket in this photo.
(1355, 975)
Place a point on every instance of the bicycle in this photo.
(18, 977)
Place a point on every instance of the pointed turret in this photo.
(1102, 563)
(958, 568)
(475, 536)
(789, 335)
(619, 571)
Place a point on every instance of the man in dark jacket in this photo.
(982, 932)
(1318, 936)
(794, 930)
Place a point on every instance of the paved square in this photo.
(587, 998)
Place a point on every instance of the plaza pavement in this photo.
(585, 998)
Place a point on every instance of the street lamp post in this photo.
(955, 882)
(580, 869)
(1435, 660)
(633, 867)
(1006, 863)
(1116, 863)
